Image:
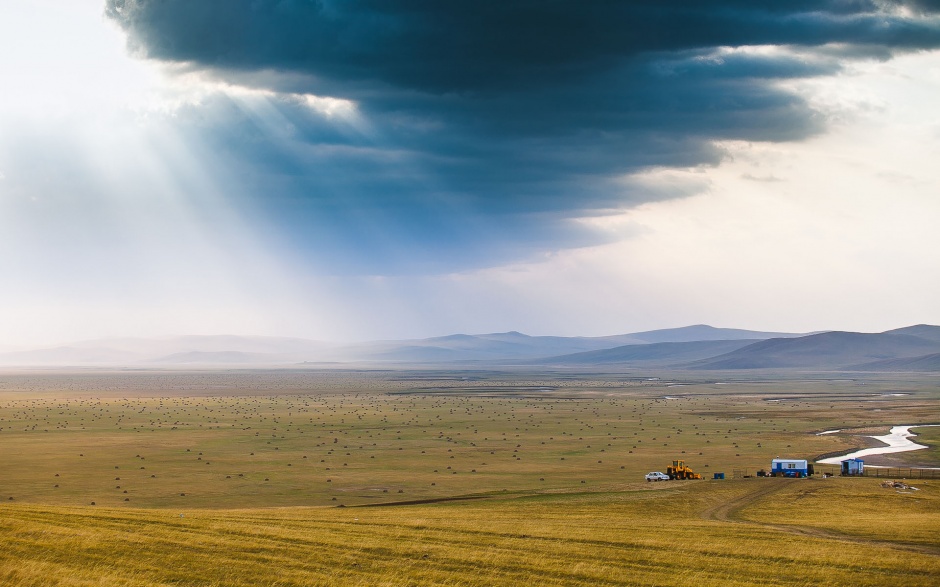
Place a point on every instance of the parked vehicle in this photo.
(679, 470)
(657, 476)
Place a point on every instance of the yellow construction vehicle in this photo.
(678, 470)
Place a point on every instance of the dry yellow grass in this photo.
(642, 537)
(559, 476)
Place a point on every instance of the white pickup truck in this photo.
(657, 476)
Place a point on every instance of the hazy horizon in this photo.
(353, 342)
(359, 172)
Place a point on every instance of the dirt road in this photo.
(729, 511)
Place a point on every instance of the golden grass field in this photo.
(234, 478)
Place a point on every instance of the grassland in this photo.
(209, 478)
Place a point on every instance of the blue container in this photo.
(719, 476)
(789, 468)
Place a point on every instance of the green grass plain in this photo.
(233, 478)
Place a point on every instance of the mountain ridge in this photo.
(650, 354)
(834, 350)
(712, 349)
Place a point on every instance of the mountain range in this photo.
(699, 347)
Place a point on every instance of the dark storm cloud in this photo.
(492, 123)
(923, 6)
(464, 45)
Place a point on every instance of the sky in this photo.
(362, 169)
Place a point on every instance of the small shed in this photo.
(789, 468)
(853, 467)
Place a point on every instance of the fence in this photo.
(902, 473)
(894, 472)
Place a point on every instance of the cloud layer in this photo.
(418, 135)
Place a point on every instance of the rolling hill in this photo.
(924, 363)
(659, 353)
(692, 347)
(514, 346)
(471, 347)
(702, 332)
(826, 351)
(456, 348)
(925, 331)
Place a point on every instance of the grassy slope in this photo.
(860, 508)
(648, 537)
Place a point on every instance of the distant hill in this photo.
(825, 351)
(695, 347)
(647, 354)
(509, 346)
(515, 346)
(924, 363)
(700, 332)
(469, 347)
(925, 331)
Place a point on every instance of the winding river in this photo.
(898, 440)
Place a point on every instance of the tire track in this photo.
(729, 512)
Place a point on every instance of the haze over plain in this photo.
(361, 171)
(701, 347)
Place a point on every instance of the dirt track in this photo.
(422, 501)
(729, 510)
